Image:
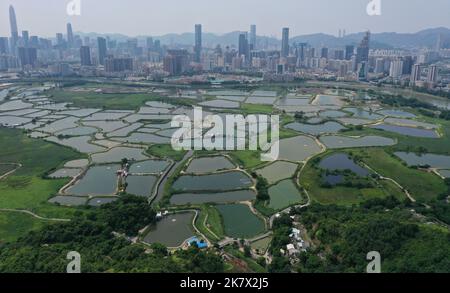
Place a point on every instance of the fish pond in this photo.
(219, 182)
(172, 230)
(219, 197)
(98, 180)
(209, 164)
(284, 194)
(240, 222)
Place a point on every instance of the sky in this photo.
(156, 17)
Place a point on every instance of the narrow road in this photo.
(159, 189)
(412, 199)
(34, 215)
(12, 171)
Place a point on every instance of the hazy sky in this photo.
(157, 17)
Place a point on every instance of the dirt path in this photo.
(34, 215)
(412, 199)
(18, 166)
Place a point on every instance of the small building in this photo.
(201, 244)
(291, 250)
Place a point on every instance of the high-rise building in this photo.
(14, 30)
(407, 64)
(324, 53)
(432, 74)
(69, 35)
(396, 69)
(176, 62)
(59, 39)
(349, 52)
(34, 41)
(285, 42)
(198, 43)
(243, 45)
(415, 74)
(149, 43)
(25, 38)
(339, 54)
(85, 55)
(252, 37)
(362, 52)
(118, 64)
(379, 65)
(4, 45)
(101, 50)
(301, 51)
(363, 71)
(27, 56)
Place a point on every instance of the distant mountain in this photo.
(425, 38)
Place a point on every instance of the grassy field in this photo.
(256, 109)
(26, 188)
(422, 185)
(408, 143)
(342, 195)
(164, 151)
(5, 168)
(213, 223)
(23, 223)
(119, 101)
(247, 159)
(252, 265)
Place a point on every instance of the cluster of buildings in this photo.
(70, 54)
(296, 246)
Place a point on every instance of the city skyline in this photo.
(351, 17)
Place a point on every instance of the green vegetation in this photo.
(252, 265)
(14, 225)
(209, 221)
(101, 251)
(256, 109)
(247, 159)
(356, 191)
(344, 235)
(423, 186)
(26, 188)
(6, 168)
(116, 101)
(165, 151)
(127, 215)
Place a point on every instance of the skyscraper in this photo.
(396, 69)
(415, 74)
(243, 45)
(85, 56)
(101, 50)
(4, 45)
(149, 43)
(324, 53)
(27, 56)
(407, 64)
(14, 30)
(69, 35)
(349, 52)
(198, 43)
(253, 37)
(25, 38)
(285, 42)
(432, 74)
(362, 52)
(59, 40)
